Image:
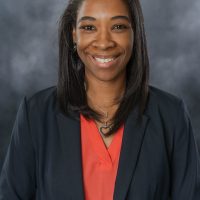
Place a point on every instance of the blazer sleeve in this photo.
(17, 180)
(185, 165)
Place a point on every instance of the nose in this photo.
(103, 40)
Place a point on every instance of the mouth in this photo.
(104, 61)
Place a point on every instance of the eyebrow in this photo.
(120, 17)
(89, 18)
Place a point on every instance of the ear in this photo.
(74, 34)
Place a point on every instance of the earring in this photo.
(75, 47)
(85, 86)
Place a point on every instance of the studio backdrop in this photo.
(29, 53)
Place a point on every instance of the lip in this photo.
(103, 65)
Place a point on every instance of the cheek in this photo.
(126, 42)
(129, 44)
(83, 40)
(130, 40)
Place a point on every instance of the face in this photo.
(104, 38)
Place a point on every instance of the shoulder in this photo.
(164, 104)
(161, 98)
(42, 100)
(43, 95)
(167, 115)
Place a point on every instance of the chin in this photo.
(110, 77)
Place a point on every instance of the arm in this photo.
(185, 163)
(17, 180)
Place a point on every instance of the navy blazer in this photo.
(158, 159)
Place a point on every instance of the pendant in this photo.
(104, 129)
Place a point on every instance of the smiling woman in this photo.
(104, 47)
(104, 40)
(108, 63)
(103, 133)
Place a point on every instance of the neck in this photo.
(105, 93)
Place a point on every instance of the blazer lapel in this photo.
(70, 136)
(131, 143)
(69, 128)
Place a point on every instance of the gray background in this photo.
(29, 53)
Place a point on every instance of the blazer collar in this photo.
(69, 128)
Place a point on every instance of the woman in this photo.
(103, 133)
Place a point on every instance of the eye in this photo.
(88, 27)
(119, 27)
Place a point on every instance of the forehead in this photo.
(103, 8)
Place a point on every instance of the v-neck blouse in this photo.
(99, 163)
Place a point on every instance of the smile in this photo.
(104, 60)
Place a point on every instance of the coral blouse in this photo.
(99, 163)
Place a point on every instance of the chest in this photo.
(107, 140)
(143, 173)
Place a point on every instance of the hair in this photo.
(71, 93)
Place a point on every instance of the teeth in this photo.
(102, 60)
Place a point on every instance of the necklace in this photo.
(104, 129)
(106, 125)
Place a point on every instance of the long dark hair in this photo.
(71, 92)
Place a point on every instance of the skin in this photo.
(103, 35)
